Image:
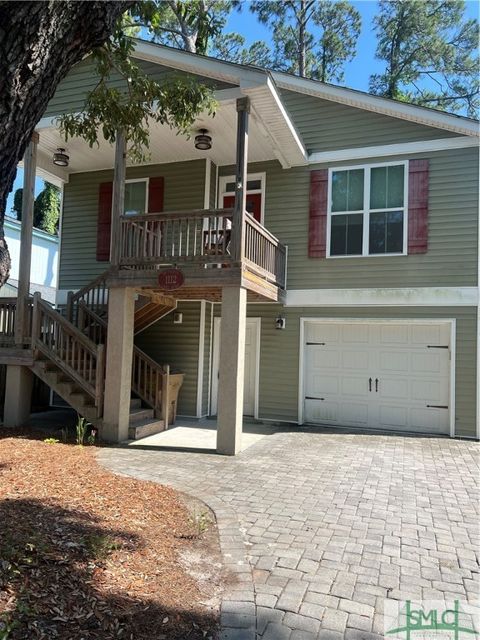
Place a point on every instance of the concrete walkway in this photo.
(322, 527)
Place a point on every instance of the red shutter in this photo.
(317, 228)
(418, 206)
(155, 195)
(104, 222)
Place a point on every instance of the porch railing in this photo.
(8, 314)
(199, 237)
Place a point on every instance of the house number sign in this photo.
(171, 279)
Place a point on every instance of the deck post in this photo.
(18, 395)
(29, 168)
(118, 371)
(238, 227)
(231, 370)
(118, 196)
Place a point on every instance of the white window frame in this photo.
(147, 184)
(366, 209)
(222, 190)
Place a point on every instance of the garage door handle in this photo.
(369, 384)
(376, 385)
(313, 398)
(437, 406)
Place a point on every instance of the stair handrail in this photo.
(158, 375)
(69, 349)
(100, 282)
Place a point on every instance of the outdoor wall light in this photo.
(60, 158)
(177, 318)
(203, 141)
(280, 323)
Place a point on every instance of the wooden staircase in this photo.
(69, 356)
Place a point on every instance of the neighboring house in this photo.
(374, 201)
(44, 268)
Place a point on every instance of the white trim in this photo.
(210, 356)
(452, 348)
(367, 170)
(208, 173)
(216, 362)
(391, 297)
(262, 176)
(201, 353)
(361, 100)
(402, 148)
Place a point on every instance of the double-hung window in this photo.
(367, 210)
(136, 196)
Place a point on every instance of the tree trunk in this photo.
(39, 43)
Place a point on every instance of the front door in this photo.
(252, 347)
(254, 204)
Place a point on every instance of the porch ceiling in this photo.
(271, 136)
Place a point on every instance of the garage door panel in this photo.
(429, 420)
(390, 360)
(354, 386)
(325, 332)
(393, 334)
(431, 362)
(411, 370)
(394, 388)
(355, 334)
(320, 385)
(355, 360)
(322, 358)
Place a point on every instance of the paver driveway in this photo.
(322, 527)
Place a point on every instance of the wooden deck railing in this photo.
(8, 307)
(8, 313)
(196, 236)
(70, 350)
(199, 237)
(94, 295)
(264, 254)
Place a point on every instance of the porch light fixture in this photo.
(60, 158)
(203, 141)
(280, 323)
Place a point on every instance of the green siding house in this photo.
(328, 276)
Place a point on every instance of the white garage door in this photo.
(378, 375)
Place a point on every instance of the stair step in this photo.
(135, 403)
(145, 428)
(139, 415)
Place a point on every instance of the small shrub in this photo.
(91, 437)
(81, 430)
(51, 441)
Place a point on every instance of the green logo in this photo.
(418, 621)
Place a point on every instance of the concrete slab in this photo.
(200, 435)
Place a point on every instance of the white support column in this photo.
(118, 373)
(18, 395)
(29, 167)
(231, 370)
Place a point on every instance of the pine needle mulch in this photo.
(87, 555)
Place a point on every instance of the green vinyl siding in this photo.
(72, 90)
(184, 190)
(177, 345)
(325, 125)
(279, 354)
(451, 259)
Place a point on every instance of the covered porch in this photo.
(216, 254)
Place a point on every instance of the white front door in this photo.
(378, 375)
(252, 346)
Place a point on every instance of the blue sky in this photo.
(357, 72)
